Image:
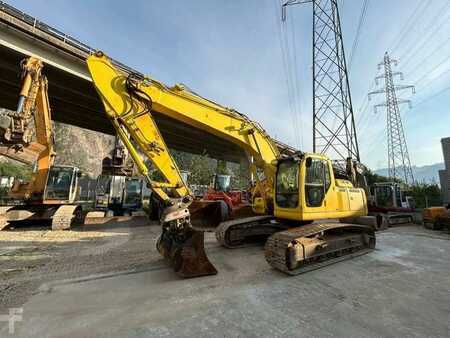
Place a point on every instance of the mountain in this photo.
(81, 147)
(426, 173)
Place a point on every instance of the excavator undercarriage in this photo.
(298, 249)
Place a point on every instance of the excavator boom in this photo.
(130, 102)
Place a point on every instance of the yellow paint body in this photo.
(340, 200)
(131, 117)
(131, 114)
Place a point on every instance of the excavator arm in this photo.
(16, 130)
(129, 102)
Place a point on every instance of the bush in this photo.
(426, 195)
(20, 171)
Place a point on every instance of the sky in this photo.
(232, 52)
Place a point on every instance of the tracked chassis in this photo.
(62, 217)
(295, 250)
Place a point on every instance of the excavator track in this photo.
(236, 233)
(66, 216)
(302, 249)
(3, 220)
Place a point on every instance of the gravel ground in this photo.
(401, 289)
(30, 257)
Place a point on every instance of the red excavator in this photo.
(237, 204)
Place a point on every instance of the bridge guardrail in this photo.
(35, 23)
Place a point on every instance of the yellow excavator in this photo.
(290, 192)
(53, 189)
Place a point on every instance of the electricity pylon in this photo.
(334, 131)
(399, 163)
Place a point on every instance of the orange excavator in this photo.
(52, 191)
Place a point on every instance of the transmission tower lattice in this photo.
(399, 163)
(334, 131)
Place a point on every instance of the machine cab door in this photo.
(317, 185)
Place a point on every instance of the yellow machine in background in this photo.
(52, 190)
(289, 192)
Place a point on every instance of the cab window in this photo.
(287, 187)
(317, 181)
(59, 183)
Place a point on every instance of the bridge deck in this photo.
(73, 99)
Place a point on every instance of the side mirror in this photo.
(79, 174)
(308, 162)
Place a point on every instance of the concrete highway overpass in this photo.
(73, 98)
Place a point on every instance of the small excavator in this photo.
(290, 193)
(234, 200)
(53, 189)
(117, 192)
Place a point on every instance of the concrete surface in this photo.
(400, 290)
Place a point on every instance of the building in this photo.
(6, 182)
(444, 175)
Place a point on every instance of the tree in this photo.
(426, 195)
(201, 168)
(373, 178)
(20, 171)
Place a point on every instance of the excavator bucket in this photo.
(186, 252)
(207, 215)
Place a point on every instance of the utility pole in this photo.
(399, 163)
(334, 131)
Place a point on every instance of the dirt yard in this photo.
(32, 256)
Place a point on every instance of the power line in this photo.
(379, 138)
(287, 73)
(446, 89)
(432, 81)
(361, 21)
(431, 54)
(429, 33)
(409, 23)
(364, 105)
(296, 82)
(424, 76)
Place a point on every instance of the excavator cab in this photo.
(306, 189)
(390, 195)
(222, 182)
(62, 184)
(118, 195)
